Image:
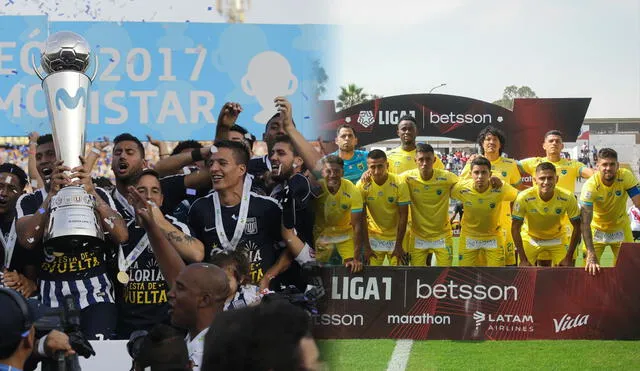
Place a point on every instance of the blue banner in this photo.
(168, 80)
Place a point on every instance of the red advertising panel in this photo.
(483, 303)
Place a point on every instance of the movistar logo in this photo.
(69, 101)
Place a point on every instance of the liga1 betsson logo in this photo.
(504, 322)
(567, 322)
(367, 118)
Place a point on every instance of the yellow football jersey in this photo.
(609, 203)
(482, 211)
(333, 211)
(544, 218)
(382, 203)
(429, 208)
(401, 161)
(568, 171)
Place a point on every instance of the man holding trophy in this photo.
(69, 220)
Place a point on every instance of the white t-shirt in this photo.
(195, 348)
(634, 216)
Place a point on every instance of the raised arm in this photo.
(94, 154)
(226, 118)
(189, 248)
(33, 170)
(310, 156)
(168, 258)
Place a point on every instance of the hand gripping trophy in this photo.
(65, 58)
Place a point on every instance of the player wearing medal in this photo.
(604, 218)
(543, 208)
(429, 190)
(19, 270)
(81, 273)
(567, 170)
(492, 142)
(142, 294)
(338, 225)
(481, 229)
(233, 217)
(386, 210)
(403, 158)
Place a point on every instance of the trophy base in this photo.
(73, 220)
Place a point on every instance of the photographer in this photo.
(18, 343)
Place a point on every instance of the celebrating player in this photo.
(543, 208)
(604, 218)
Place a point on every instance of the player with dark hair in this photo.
(355, 161)
(544, 207)
(567, 170)
(604, 218)
(185, 145)
(429, 191)
(141, 294)
(481, 221)
(338, 224)
(233, 217)
(492, 143)
(81, 272)
(403, 157)
(273, 336)
(18, 264)
(385, 212)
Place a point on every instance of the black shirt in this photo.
(260, 236)
(257, 167)
(142, 302)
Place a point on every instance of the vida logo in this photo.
(568, 323)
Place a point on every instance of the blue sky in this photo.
(559, 48)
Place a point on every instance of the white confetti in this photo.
(214, 149)
(8, 179)
(30, 239)
(37, 227)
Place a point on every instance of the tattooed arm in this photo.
(592, 265)
(189, 248)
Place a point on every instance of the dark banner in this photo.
(461, 118)
(483, 303)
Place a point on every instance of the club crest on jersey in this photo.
(618, 193)
(558, 211)
(504, 174)
(492, 205)
(360, 166)
(252, 226)
(439, 192)
(564, 171)
(344, 206)
(390, 199)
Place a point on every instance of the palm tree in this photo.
(350, 96)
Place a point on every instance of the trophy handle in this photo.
(35, 69)
(95, 70)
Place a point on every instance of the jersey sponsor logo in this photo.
(567, 322)
(442, 179)
(530, 199)
(560, 198)
(252, 226)
(346, 194)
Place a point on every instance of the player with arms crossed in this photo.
(604, 208)
(481, 230)
(544, 207)
(386, 210)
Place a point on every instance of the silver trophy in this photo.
(65, 58)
